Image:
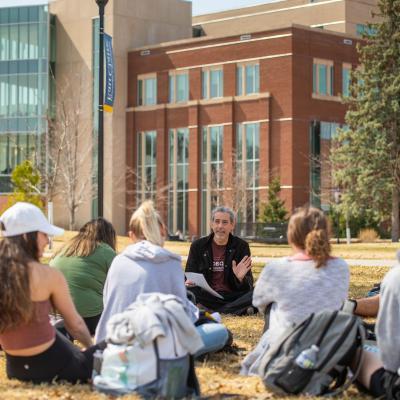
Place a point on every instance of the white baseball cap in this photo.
(24, 218)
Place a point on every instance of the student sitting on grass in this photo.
(146, 267)
(28, 292)
(84, 261)
(307, 282)
(380, 365)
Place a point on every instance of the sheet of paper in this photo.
(200, 281)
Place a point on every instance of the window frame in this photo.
(330, 71)
(143, 191)
(172, 96)
(173, 165)
(206, 94)
(346, 90)
(141, 89)
(242, 67)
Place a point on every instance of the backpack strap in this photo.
(360, 357)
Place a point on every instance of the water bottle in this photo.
(97, 361)
(307, 359)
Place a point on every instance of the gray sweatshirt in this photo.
(295, 288)
(388, 323)
(141, 268)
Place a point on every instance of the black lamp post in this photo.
(100, 145)
(337, 196)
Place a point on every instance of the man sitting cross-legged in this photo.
(225, 262)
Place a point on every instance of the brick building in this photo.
(211, 120)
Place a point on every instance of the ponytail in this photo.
(317, 246)
(146, 223)
(308, 230)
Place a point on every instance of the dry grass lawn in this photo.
(218, 374)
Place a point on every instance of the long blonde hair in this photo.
(308, 230)
(146, 223)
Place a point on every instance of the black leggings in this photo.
(62, 361)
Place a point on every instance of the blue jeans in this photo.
(214, 336)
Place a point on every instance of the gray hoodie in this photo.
(141, 268)
(388, 322)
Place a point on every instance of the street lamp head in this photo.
(101, 3)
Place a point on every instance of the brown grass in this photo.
(218, 375)
(378, 250)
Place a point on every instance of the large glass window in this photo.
(247, 79)
(323, 77)
(211, 170)
(178, 87)
(24, 80)
(146, 165)
(212, 83)
(248, 170)
(147, 91)
(14, 149)
(321, 134)
(178, 180)
(346, 69)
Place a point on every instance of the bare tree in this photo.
(234, 189)
(70, 145)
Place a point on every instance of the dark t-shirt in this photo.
(218, 281)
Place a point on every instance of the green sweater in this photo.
(85, 277)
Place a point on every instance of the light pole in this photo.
(337, 196)
(100, 143)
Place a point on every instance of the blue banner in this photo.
(110, 74)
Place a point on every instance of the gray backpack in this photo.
(336, 334)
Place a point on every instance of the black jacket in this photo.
(200, 260)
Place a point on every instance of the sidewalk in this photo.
(351, 261)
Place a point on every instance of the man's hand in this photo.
(189, 283)
(240, 270)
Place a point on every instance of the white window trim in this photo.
(144, 77)
(208, 86)
(174, 189)
(243, 65)
(174, 73)
(347, 66)
(327, 63)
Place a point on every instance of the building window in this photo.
(147, 90)
(178, 87)
(146, 165)
(178, 180)
(248, 170)
(323, 77)
(24, 88)
(346, 69)
(247, 79)
(365, 30)
(212, 83)
(321, 134)
(14, 149)
(211, 171)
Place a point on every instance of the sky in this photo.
(208, 6)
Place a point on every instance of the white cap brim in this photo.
(53, 230)
(50, 230)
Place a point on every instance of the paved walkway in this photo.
(350, 261)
